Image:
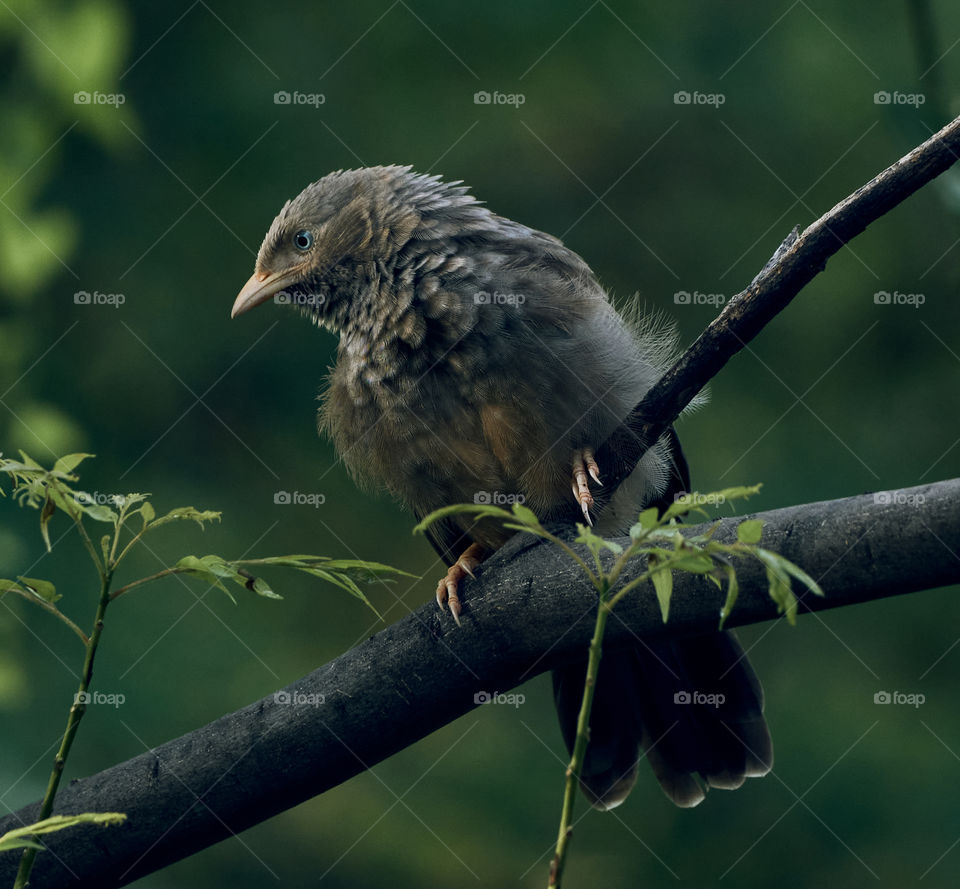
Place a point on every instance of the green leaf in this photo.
(43, 588)
(204, 569)
(182, 513)
(20, 837)
(99, 512)
(663, 585)
(105, 547)
(45, 515)
(147, 513)
(738, 492)
(797, 572)
(684, 505)
(474, 509)
(750, 530)
(648, 520)
(693, 562)
(69, 462)
(363, 570)
(526, 515)
(262, 588)
(778, 581)
(30, 463)
(128, 500)
(594, 542)
(733, 590)
(10, 585)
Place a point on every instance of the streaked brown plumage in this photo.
(477, 355)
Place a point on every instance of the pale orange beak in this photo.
(260, 287)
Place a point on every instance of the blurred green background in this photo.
(160, 188)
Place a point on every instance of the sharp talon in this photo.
(583, 463)
(447, 589)
(591, 464)
(454, 605)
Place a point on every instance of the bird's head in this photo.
(323, 248)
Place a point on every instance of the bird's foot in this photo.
(584, 463)
(472, 556)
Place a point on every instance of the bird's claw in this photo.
(447, 589)
(584, 463)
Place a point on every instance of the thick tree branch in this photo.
(528, 611)
(795, 264)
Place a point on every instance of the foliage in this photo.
(24, 837)
(129, 518)
(659, 538)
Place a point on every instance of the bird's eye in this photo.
(303, 240)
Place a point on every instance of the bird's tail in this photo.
(693, 708)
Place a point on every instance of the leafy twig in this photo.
(659, 539)
(51, 491)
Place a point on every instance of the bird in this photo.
(479, 358)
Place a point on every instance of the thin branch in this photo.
(49, 607)
(795, 264)
(530, 610)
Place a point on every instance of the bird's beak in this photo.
(260, 287)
